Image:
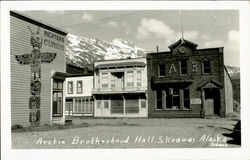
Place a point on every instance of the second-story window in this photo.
(70, 87)
(130, 79)
(104, 80)
(161, 70)
(113, 80)
(79, 86)
(206, 67)
(139, 78)
(183, 64)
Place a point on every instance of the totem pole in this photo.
(34, 60)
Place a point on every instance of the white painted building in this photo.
(120, 88)
(79, 101)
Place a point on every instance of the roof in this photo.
(211, 84)
(121, 64)
(120, 59)
(80, 75)
(38, 23)
(182, 41)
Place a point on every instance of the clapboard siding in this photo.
(20, 74)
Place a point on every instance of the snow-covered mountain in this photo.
(234, 72)
(83, 51)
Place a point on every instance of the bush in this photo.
(236, 107)
(68, 123)
(233, 115)
(16, 127)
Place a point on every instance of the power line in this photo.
(121, 20)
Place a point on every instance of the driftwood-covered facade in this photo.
(188, 82)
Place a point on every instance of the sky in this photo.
(151, 28)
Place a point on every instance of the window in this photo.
(132, 104)
(143, 103)
(116, 104)
(113, 80)
(176, 99)
(79, 86)
(139, 78)
(104, 80)
(161, 71)
(194, 66)
(57, 84)
(99, 104)
(70, 87)
(183, 67)
(106, 104)
(206, 67)
(130, 79)
(159, 99)
(186, 99)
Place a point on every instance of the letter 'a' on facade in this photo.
(188, 82)
(120, 88)
(37, 72)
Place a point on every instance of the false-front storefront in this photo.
(188, 82)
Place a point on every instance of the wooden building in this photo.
(38, 66)
(79, 100)
(188, 82)
(120, 88)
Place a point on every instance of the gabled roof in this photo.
(183, 41)
(211, 84)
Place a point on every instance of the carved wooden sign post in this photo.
(34, 60)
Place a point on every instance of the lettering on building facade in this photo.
(50, 42)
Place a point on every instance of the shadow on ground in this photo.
(235, 134)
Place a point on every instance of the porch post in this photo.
(171, 92)
(181, 99)
(202, 112)
(163, 96)
(124, 104)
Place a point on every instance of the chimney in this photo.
(157, 49)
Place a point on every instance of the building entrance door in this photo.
(209, 107)
(212, 101)
(57, 103)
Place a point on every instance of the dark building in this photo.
(188, 82)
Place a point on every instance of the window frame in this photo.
(181, 66)
(138, 78)
(130, 76)
(106, 77)
(79, 81)
(186, 99)
(68, 88)
(159, 70)
(203, 66)
(159, 92)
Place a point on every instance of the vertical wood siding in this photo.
(20, 74)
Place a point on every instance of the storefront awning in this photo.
(170, 81)
(59, 75)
